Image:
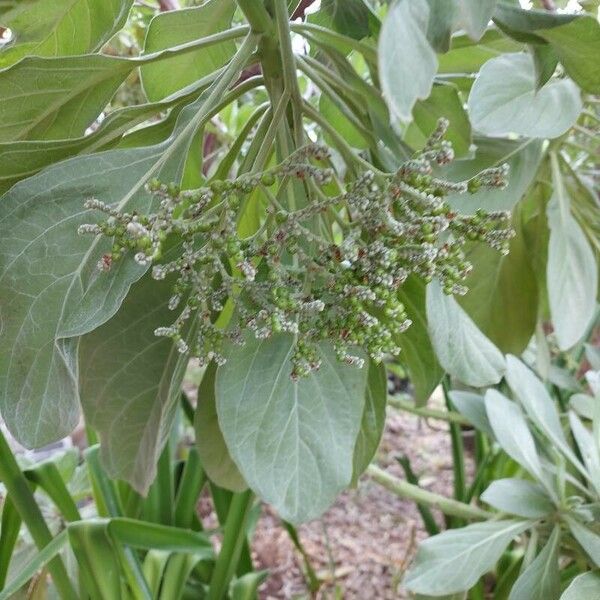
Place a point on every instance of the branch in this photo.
(548, 4)
(166, 5)
(300, 10)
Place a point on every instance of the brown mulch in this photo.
(364, 543)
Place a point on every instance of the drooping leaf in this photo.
(130, 383)
(472, 406)
(454, 561)
(177, 27)
(583, 587)
(518, 497)
(475, 15)
(512, 432)
(571, 272)
(214, 455)
(64, 95)
(504, 100)
(293, 441)
(51, 28)
(49, 281)
(574, 37)
(503, 297)
(588, 539)
(407, 63)
(541, 579)
(538, 404)
(461, 348)
(373, 420)
(353, 18)
(442, 18)
(21, 159)
(418, 355)
(545, 61)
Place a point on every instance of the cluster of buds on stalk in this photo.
(329, 270)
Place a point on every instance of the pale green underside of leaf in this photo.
(61, 27)
(292, 441)
(518, 497)
(504, 100)
(583, 587)
(50, 287)
(454, 561)
(213, 452)
(541, 579)
(572, 275)
(472, 406)
(407, 63)
(178, 27)
(510, 429)
(461, 348)
(130, 383)
(373, 420)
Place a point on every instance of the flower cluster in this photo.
(329, 270)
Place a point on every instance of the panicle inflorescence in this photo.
(288, 276)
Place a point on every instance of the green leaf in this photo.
(51, 28)
(341, 123)
(472, 406)
(461, 348)
(214, 455)
(130, 382)
(518, 497)
(541, 579)
(246, 586)
(21, 159)
(293, 441)
(510, 429)
(454, 561)
(353, 18)
(583, 587)
(504, 100)
(475, 16)
(545, 61)
(66, 94)
(442, 17)
(178, 27)
(49, 280)
(538, 404)
(523, 159)
(444, 101)
(407, 63)
(574, 37)
(571, 272)
(588, 539)
(373, 420)
(418, 355)
(503, 296)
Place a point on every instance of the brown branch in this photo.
(300, 10)
(166, 5)
(548, 4)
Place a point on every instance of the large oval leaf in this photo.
(461, 348)
(293, 441)
(407, 63)
(130, 383)
(177, 27)
(213, 452)
(504, 100)
(67, 27)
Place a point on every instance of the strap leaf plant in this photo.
(291, 194)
